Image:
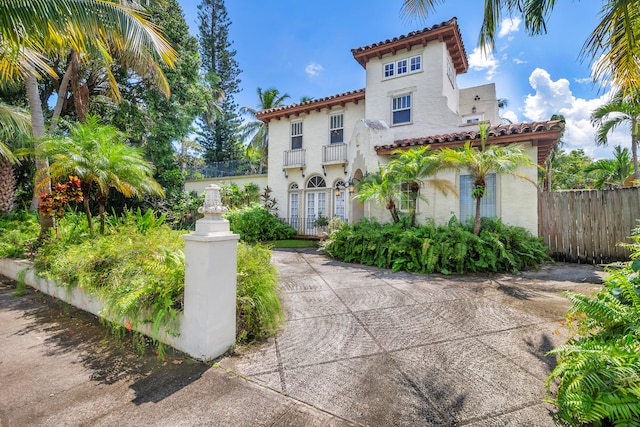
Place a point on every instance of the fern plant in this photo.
(598, 371)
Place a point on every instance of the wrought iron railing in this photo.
(294, 158)
(334, 153)
(226, 168)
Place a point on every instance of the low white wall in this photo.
(79, 298)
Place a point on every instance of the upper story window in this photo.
(401, 109)
(336, 128)
(416, 63)
(296, 135)
(388, 69)
(403, 66)
(451, 74)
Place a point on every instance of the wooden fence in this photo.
(586, 226)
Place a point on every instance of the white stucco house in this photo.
(412, 98)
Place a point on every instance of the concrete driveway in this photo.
(360, 346)
(387, 349)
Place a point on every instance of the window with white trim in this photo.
(406, 197)
(468, 203)
(388, 70)
(296, 135)
(416, 63)
(451, 74)
(293, 206)
(401, 109)
(340, 201)
(403, 66)
(336, 129)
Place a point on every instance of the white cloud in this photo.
(510, 116)
(583, 80)
(519, 61)
(555, 97)
(313, 69)
(482, 60)
(509, 26)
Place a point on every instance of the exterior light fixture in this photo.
(473, 109)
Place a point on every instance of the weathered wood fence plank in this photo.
(586, 226)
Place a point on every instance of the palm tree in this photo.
(30, 31)
(612, 44)
(410, 168)
(256, 131)
(612, 172)
(97, 155)
(480, 162)
(381, 188)
(622, 109)
(14, 125)
(548, 175)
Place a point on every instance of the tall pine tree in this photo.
(219, 137)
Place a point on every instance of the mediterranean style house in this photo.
(318, 149)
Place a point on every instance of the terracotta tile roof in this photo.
(341, 99)
(543, 134)
(447, 32)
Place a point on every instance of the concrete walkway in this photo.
(360, 346)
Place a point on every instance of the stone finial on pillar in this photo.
(208, 328)
(212, 209)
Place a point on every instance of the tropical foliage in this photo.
(597, 378)
(256, 224)
(481, 161)
(452, 248)
(101, 159)
(398, 183)
(611, 45)
(255, 131)
(137, 266)
(622, 110)
(612, 173)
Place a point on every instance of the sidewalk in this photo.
(58, 368)
(360, 346)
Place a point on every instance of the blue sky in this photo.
(304, 49)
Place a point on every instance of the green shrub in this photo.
(258, 308)
(437, 249)
(256, 224)
(18, 233)
(598, 370)
(138, 267)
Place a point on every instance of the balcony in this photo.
(335, 154)
(294, 159)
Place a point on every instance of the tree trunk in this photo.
(394, 212)
(7, 187)
(634, 154)
(42, 178)
(62, 96)
(476, 221)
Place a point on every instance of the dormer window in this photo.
(403, 66)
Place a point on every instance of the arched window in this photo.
(316, 182)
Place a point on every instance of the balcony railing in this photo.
(334, 153)
(294, 158)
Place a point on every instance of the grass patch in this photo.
(292, 244)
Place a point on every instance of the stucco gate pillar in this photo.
(208, 328)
